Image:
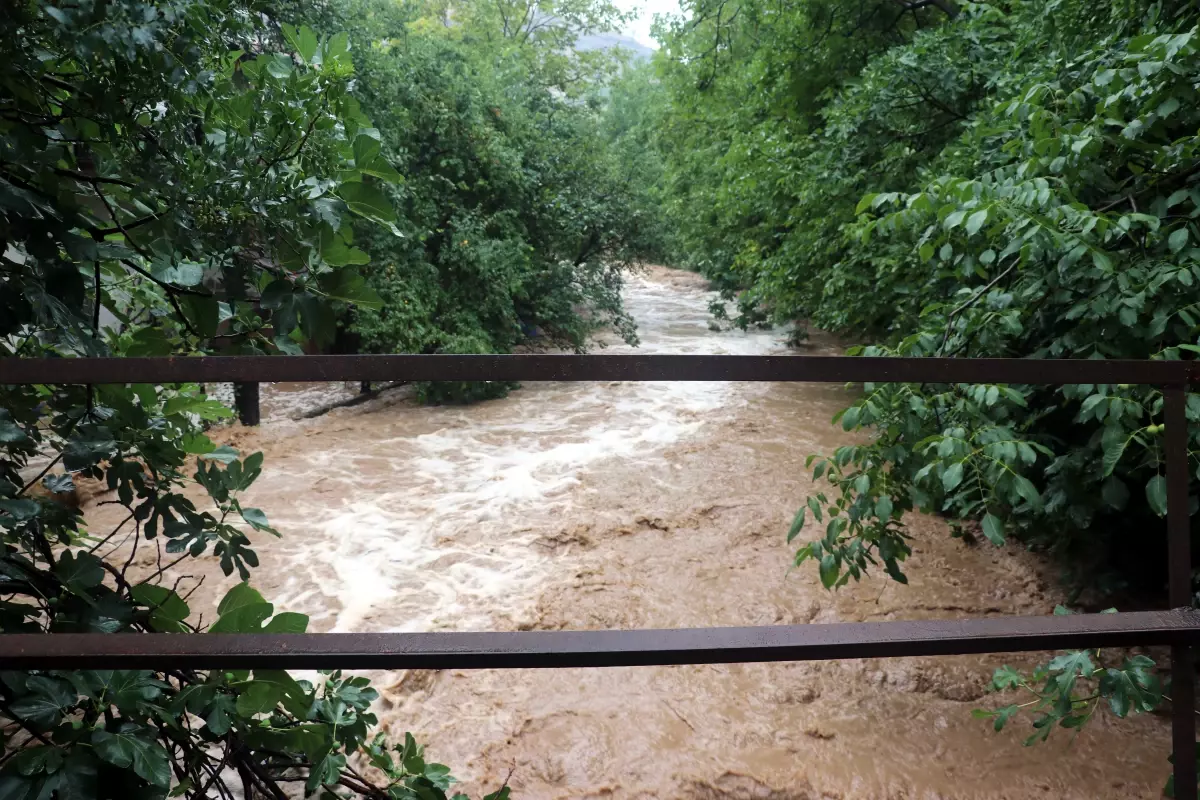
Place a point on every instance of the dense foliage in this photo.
(184, 176)
(1005, 183)
(1007, 178)
(515, 217)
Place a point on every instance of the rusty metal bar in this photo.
(554, 649)
(828, 369)
(1179, 565)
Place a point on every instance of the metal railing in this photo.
(1178, 628)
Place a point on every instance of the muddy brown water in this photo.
(645, 505)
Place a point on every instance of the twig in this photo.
(682, 719)
(13, 716)
(950, 317)
(137, 223)
(137, 535)
(161, 570)
(119, 577)
(115, 531)
(92, 179)
(41, 474)
(982, 291)
(358, 399)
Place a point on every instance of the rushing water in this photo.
(632, 505)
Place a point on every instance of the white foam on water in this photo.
(430, 521)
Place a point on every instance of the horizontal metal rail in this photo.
(1180, 628)
(621, 648)
(817, 369)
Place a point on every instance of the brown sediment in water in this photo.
(587, 506)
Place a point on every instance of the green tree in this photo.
(189, 170)
(515, 221)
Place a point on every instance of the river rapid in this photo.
(646, 505)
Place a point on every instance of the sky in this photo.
(640, 27)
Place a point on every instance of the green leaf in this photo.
(366, 149)
(220, 714)
(257, 519)
(828, 570)
(47, 699)
(287, 622)
(1113, 441)
(134, 745)
(1102, 260)
(1076, 663)
(132, 691)
(204, 313)
(278, 65)
(259, 697)
(290, 693)
(167, 609)
(185, 273)
(10, 432)
(1178, 239)
(241, 595)
(993, 529)
(1003, 715)
(367, 201)
(952, 476)
(336, 252)
(797, 524)
(1006, 678)
(306, 44)
(89, 445)
(79, 571)
(350, 287)
(1156, 494)
(33, 760)
(20, 510)
(1114, 493)
(883, 507)
(976, 220)
(248, 619)
(223, 454)
(197, 444)
(196, 404)
(338, 48)
(1027, 490)
(242, 611)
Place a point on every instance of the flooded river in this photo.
(641, 505)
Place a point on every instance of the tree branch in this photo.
(93, 179)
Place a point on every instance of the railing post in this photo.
(246, 398)
(1179, 547)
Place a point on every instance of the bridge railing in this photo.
(1178, 627)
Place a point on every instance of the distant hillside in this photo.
(607, 41)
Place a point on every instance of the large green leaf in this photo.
(367, 201)
(167, 609)
(1156, 494)
(134, 745)
(46, 700)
